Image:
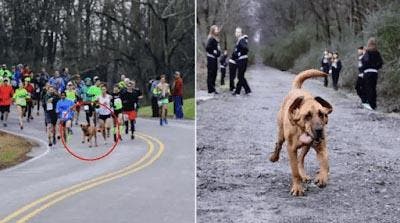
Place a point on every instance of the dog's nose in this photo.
(319, 133)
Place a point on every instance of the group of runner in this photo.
(63, 96)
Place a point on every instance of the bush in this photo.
(282, 53)
(383, 24)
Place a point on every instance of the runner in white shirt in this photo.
(105, 119)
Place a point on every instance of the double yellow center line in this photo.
(30, 210)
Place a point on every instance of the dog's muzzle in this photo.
(318, 135)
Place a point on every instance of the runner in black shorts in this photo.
(105, 120)
(49, 103)
(117, 107)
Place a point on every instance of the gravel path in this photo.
(237, 183)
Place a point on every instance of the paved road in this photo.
(149, 179)
(237, 183)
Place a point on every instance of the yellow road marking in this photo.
(89, 184)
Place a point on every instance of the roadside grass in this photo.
(13, 150)
(188, 109)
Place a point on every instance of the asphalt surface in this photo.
(237, 183)
(154, 183)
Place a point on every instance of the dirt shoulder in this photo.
(14, 149)
(237, 183)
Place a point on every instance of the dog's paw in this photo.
(297, 190)
(274, 157)
(321, 180)
(306, 179)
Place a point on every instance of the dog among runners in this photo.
(301, 123)
(89, 134)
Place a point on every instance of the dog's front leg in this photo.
(301, 158)
(297, 188)
(322, 155)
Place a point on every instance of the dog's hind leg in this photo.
(278, 145)
(300, 160)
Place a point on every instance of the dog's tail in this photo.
(302, 76)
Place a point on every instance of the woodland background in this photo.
(292, 35)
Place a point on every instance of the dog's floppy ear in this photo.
(293, 110)
(324, 104)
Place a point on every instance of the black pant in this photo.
(223, 72)
(370, 81)
(326, 70)
(360, 89)
(212, 69)
(154, 107)
(232, 76)
(29, 106)
(335, 79)
(242, 66)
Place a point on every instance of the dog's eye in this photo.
(320, 114)
(308, 116)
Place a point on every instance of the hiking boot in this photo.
(132, 136)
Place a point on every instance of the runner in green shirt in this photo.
(5, 73)
(93, 93)
(20, 97)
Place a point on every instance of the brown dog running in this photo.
(301, 121)
(88, 133)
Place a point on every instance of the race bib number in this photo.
(37, 90)
(20, 101)
(117, 101)
(64, 115)
(86, 107)
(49, 106)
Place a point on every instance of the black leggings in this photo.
(232, 76)
(223, 72)
(360, 89)
(370, 81)
(212, 69)
(242, 66)
(132, 126)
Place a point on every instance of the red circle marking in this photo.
(110, 150)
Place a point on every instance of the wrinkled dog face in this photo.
(85, 128)
(311, 116)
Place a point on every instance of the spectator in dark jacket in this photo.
(223, 64)
(213, 52)
(177, 95)
(336, 67)
(241, 51)
(360, 80)
(325, 65)
(371, 63)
